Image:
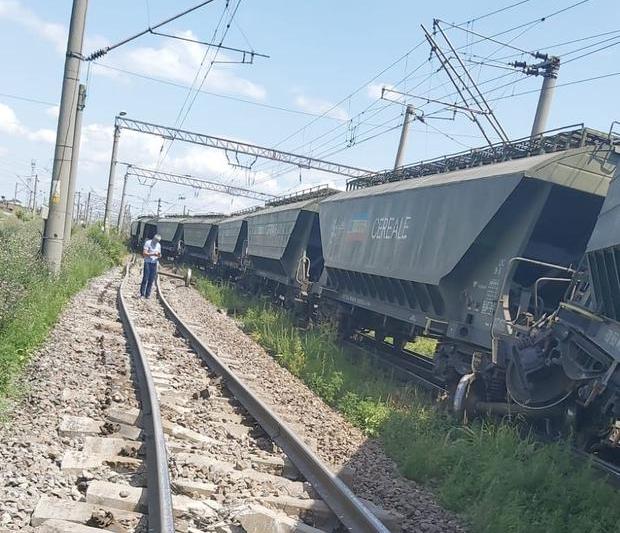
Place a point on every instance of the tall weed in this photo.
(30, 298)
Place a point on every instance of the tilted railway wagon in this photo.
(487, 260)
(135, 229)
(232, 241)
(284, 247)
(200, 240)
(142, 228)
(171, 231)
(574, 352)
(430, 255)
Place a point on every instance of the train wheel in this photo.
(464, 398)
(400, 342)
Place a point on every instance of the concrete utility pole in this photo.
(34, 193)
(550, 79)
(121, 212)
(107, 214)
(87, 208)
(78, 203)
(549, 68)
(55, 224)
(77, 135)
(404, 133)
(158, 207)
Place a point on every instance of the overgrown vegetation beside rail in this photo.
(31, 299)
(492, 475)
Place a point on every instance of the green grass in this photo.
(496, 478)
(31, 299)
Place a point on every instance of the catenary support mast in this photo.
(54, 228)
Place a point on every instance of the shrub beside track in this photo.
(31, 299)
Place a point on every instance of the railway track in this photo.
(412, 366)
(105, 459)
(216, 456)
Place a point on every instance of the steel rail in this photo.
(415, 367)
(346, 506)
(159, 495)
(609, 471)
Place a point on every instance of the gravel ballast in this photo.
(374, 476)
(70, 375)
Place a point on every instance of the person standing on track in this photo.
(151, 251)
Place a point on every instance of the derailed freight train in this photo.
(507, 255)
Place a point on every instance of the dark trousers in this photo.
(150, 271)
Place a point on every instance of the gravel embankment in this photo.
(375, 476)
(233, 451)
(71, 374)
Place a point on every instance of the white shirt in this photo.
(150, 247)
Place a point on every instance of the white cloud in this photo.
(10, 124)
(44, 134)
(318, 106)
(53, 111)
(374, 89)
(174, 60)
(14, 11)
(179, 61)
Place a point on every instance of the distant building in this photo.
(10, 206)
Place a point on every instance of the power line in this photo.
(526, 25)
(592, 52)
(500, 10)
(103, 51)
(202, 62)
(565, 84)
(558, 45)
(484, 37)
(204, 78)
(217, 95)
(25, 99)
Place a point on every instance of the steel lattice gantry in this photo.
(197, 183)
(221, 143)
(228, 145)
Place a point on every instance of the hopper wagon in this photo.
(171, 231)
(284, 245)
(199, 240)
(232, 244)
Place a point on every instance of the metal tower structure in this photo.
(228, 145)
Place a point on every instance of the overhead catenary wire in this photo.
(592, 52)
(27, 99)
(569, 83)
(526, 25)
(180, 123)
(103, 51)
(211, 93)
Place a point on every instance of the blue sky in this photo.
(320, 53)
